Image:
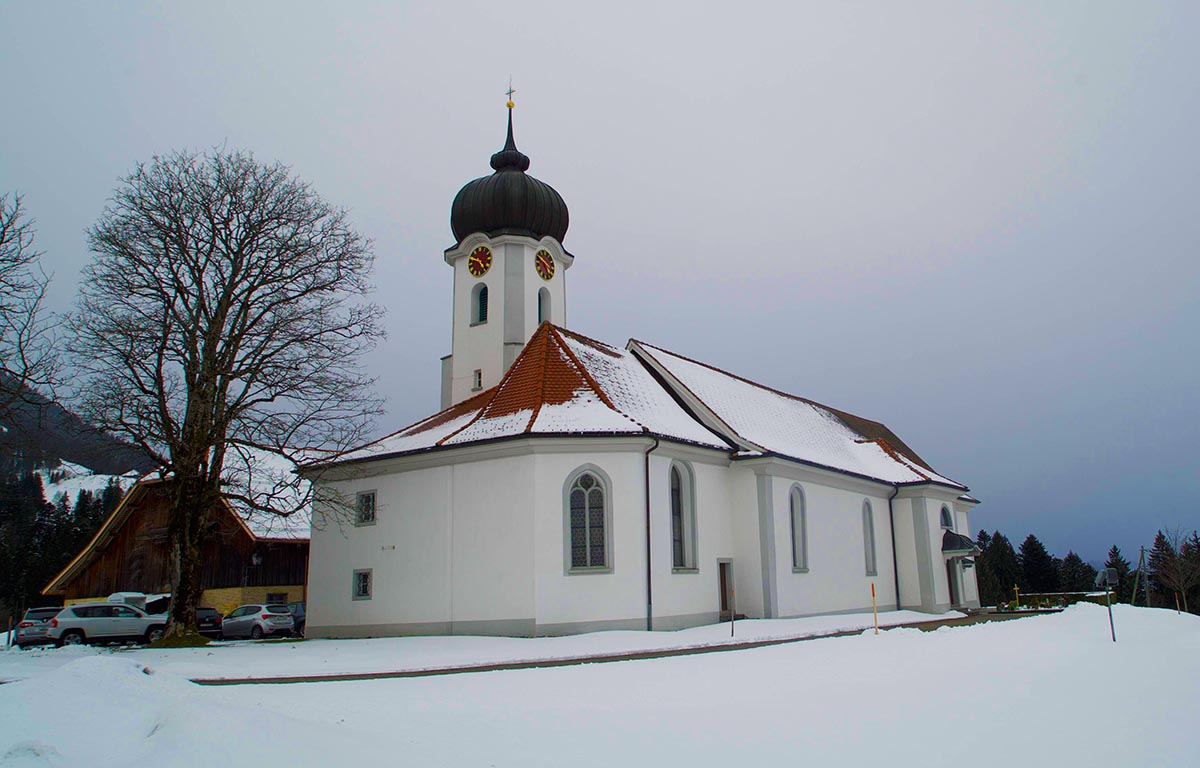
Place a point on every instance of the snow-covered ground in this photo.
(1049, 690)
(393, 654)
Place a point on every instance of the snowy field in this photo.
(241, 659)
(1048, 690)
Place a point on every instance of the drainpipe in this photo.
(649, 579)
(892, 525)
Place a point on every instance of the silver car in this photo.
(34, 628)
(257, 621)
(105, 622)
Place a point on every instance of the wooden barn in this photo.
(252, 558)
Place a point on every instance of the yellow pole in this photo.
(1017, 599)
(874, 608)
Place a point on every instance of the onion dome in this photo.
(510, 201)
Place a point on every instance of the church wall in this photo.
(690, 597)
(492, 547)
(906, 554)
(962, 524)
(579, 602)
(747, 543)
(407, 549)
(836, 579)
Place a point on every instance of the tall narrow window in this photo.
(683, 518)
(947, 519)
(543, 305)
(479, 307)
(868, 517)
(799, 530)
(587, 511)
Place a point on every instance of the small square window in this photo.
(362, 584)
(277, 597)
(477, 380)
(364, 508)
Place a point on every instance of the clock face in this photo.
(480, 261)
(543, 262)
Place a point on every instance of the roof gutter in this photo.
(649, 575)
(892, 529)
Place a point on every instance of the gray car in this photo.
(257, 621)
(34, 628)
(105, 622)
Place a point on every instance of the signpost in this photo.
(1108, 579)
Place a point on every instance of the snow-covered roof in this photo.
(567, 384)
(254, 478)
(763, 420)
(561, 384)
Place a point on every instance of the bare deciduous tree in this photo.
(28, 361)
(1176, 562)
(224, 316)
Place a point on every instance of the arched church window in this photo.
(947, 520)
(543, 306)
(479, 305)
(588, 522)
(868, 517)
(799, 529)
(683, 518)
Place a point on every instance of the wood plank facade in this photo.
(131, 553)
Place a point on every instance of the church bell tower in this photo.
(509, 270)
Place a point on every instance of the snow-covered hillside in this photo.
(70, 479)
(1050, 690)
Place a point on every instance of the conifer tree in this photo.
(990, 591)
(1076, 575)
(1003, 561)
(1038, 573)
(1124, 587)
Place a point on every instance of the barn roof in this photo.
(265, 478)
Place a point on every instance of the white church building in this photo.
(570, 486)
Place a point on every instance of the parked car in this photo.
(105, 622)
(257, 621)
(34, 627)
(298, 614)
(208, 621)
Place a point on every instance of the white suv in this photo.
(105, 622)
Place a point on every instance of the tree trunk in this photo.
(189, 531)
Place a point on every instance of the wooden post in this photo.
(1017, 598)
(874, 608)
(1176, 605)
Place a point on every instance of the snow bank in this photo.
(100, 710)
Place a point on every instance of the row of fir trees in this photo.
(1172, 571)
(39, 536)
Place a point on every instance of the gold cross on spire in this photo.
(509, 93)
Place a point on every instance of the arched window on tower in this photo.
(543, 306)
(479, 304)
(947, 519)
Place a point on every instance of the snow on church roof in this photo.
(766, 420)
(561, 384)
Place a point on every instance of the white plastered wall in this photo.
(836, 580)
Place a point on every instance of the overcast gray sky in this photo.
(975, 222)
